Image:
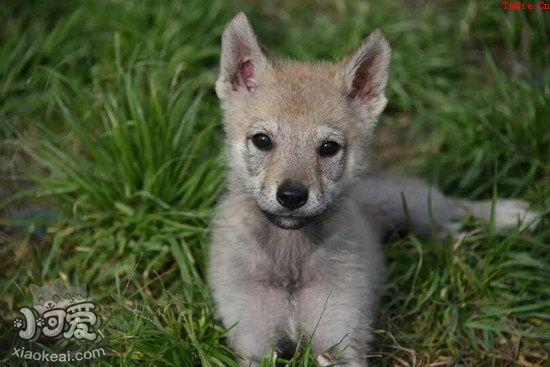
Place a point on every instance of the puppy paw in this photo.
(324, 359)
(510, 212)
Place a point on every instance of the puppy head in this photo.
(297, 132)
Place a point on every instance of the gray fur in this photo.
(273, 285)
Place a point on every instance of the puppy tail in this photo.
(405, 204)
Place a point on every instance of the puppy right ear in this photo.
(242, 59)
(366, 74)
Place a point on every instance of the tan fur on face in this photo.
(299, 105)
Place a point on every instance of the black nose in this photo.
(291, 195)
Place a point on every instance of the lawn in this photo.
(110, 164)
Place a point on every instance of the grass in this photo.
(110, 165)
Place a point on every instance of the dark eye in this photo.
(329, 148)
(262, 142)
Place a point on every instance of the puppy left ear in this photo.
(242, 59)
(365, 74)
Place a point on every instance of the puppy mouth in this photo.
(288, 221)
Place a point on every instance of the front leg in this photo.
(256, 317)
(339, 320)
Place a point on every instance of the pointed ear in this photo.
(242, 59)
(365, 73)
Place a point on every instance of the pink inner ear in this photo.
(361, 87)
(244, 76)
(363, 83)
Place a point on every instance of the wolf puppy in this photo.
(297, 238)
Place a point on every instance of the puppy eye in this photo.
(262, 142)
(329, 148)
